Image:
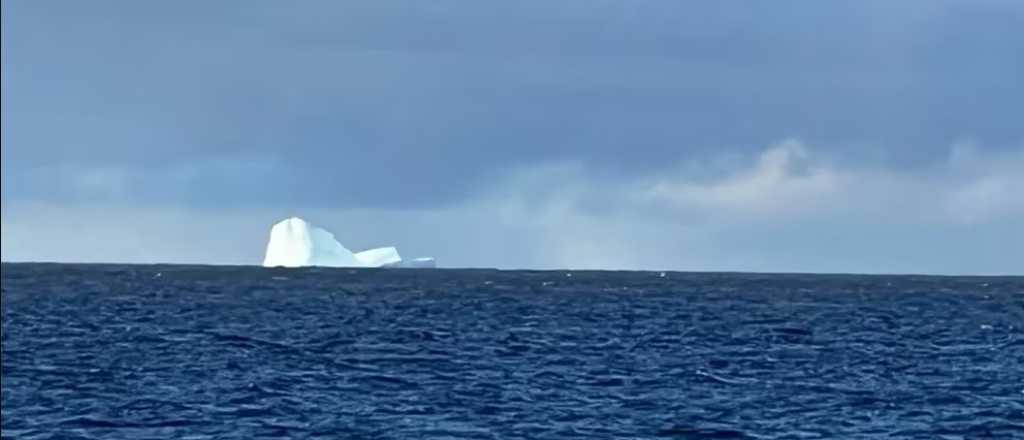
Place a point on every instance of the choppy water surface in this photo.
(220, 352)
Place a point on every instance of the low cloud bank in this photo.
(790, 207)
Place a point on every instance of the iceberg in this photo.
(379, 257)
(296, 243)
(417, 263)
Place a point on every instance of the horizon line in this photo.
(484, 268)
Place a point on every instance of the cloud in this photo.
(789, 208)
(792, 208)
(601, 136)
(791, 181)
(448, 94)
(782, 181)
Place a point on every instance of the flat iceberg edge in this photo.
(379, 257)
(415, 263)
(294, 242)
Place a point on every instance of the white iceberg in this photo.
(417, 263)
(296, 243)
(379, 257)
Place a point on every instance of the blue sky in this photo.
(869, 136)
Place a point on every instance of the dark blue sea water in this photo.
(242, 352)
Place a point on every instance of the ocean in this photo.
(204, 352)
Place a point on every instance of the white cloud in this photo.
(790, 209)
(784, 180)
(986, 198)
(789, 181)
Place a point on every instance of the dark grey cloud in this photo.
(417, 103)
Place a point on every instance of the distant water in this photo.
(139, 352)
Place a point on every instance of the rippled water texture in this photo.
(222, 352)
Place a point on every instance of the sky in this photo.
(853, 137)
